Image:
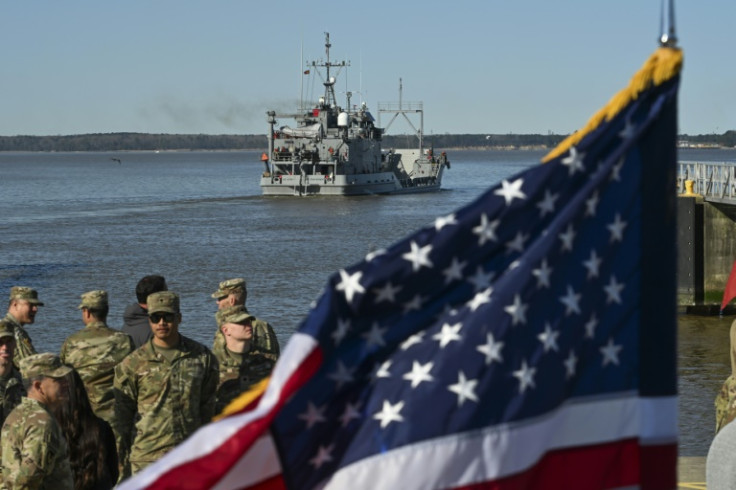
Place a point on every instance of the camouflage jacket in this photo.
(726, 403)
(264, 341)
(23, 345)
(159, 403)
(94, 352)
(239, 373)
(34, 451)
(12, 394)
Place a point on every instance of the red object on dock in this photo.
(730, 292)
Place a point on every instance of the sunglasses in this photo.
(156, 317)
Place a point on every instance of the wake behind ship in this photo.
(336, 151)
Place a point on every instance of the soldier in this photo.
(34, 451)
(231, 293)
(22, 310)
(241, 363)
(725, 402)
(164, 391)
(94, 352)
(135, 318)
(11, 383)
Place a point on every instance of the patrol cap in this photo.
(26, 294)
(94, 300)
(234, 314)
(6, 330)
(227, 287)
(163, 301)
(45, 364)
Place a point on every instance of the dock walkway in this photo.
(691, 473)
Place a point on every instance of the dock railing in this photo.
(713, 181)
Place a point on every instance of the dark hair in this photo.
(92, 452)
(149, 285)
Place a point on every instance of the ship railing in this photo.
(713, 181)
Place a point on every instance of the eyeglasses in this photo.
(156, 317)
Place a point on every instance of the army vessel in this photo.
(338, 151)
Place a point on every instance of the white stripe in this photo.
(213, 435)
(496, 452)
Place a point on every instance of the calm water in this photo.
(73, 222)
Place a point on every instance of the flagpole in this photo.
(668, 38)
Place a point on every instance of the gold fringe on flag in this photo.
(244, 400)
(663, 65)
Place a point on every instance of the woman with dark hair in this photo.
(92, 452)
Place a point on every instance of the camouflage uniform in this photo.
(159, 403)
(11, 393)
(726, 403)
(239, 372)
(34, 451)
(23, 345)
(264, 337)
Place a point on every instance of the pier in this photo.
(706, 218)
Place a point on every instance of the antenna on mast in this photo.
(668, 39)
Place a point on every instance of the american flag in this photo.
(526, 340)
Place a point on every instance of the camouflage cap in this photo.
(26, 294)
(166, 301)
(234, 314)
(6, 330)
(227, 287)
(94, 300)
(46, 364)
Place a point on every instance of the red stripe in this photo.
(618, 464)
(206, 471)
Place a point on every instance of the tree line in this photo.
(164, 142)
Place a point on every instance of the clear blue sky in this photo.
(479, 66)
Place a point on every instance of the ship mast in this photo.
(329, 99)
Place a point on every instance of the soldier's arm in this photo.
(124, 389)
(23, 467)
(209, 388)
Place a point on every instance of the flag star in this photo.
(574, 161)
(389, 413)
(350, 284)
(343, 326)
(525, 375)
(567, 238)
(375, 336)
(512, 190)
(413, 304)
(613, 291)
(517, 310)
(542, 274)
(441, 222)
(480, 298)
(549, 338)
(570, 364)
(628, 132)
(571, 300)
(591, 204)
(382, 370)
(323, 456)
(481, 279)
(464, 389)
(455, 271)
(590, 327)
(412, 340)
(387, 292)
(592, 264)
(341, 375)
(617, 229)
(448, 334)
(486, 230)
(517, 244)
(547, 205)
(351, 412)
(418, 256)
(491, 349)
(616, 170)
(419, 373)
(610, 352)
(313, 415)
(375, 253)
